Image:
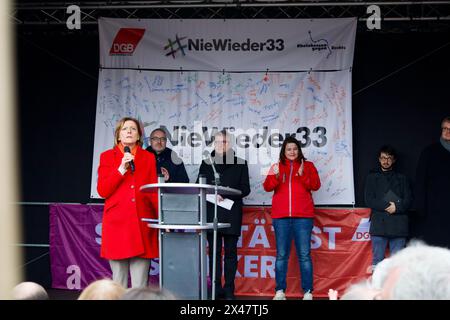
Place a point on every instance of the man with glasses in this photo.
(432, 190)
(388, 194)
(167, 161)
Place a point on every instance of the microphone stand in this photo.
(216, 184)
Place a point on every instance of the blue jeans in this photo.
(299, 230)
(379, 245)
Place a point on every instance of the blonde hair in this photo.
(148, 293)
(105, 289)
(119, 126)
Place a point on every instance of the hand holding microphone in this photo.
(127, 160)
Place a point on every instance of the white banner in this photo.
(227, 45)
(259, 109)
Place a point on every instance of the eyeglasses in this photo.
(445, 129)
(386, 158)
(156, 139)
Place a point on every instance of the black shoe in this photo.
(229, 296)
(220, 294)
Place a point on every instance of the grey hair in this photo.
(29, 291)
(424, 273)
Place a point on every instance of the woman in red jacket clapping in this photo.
(127, 242)
(292, 179)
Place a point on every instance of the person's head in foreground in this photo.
(105, 289)
(147, 293)
(29, 291)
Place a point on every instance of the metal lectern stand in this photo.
(182, 255)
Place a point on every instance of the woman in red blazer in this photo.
(292, 179)
(127, 242)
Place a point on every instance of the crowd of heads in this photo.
(103, 289)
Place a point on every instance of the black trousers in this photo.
(230, 261)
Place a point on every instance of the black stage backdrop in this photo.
(400, 94)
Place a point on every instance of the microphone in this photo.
(216, 175)
(127, 149)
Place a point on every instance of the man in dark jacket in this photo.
(167, 161)
(388, 194)
(432, 191)
(233, 173)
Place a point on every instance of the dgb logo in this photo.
(362, 232)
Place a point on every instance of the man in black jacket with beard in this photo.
(233, 173)
(167, 161)
(388, 194)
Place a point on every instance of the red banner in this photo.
(340, 250)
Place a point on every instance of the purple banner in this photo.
(75, 239)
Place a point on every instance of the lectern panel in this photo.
(181, 269)
(180, 208)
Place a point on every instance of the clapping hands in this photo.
(276, 169)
